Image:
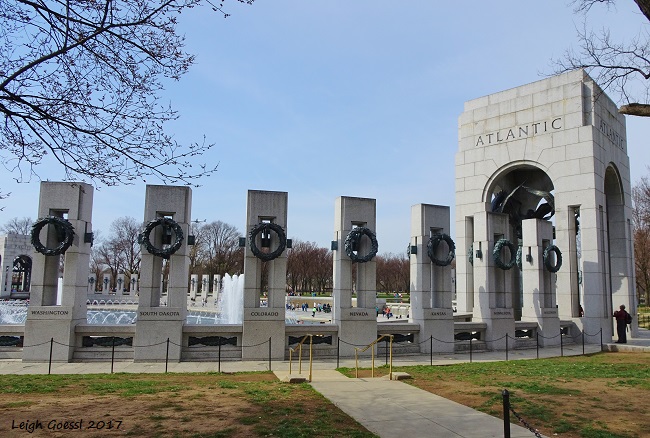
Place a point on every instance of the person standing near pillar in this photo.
(622, 318)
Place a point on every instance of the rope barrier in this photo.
(507, 406)
(256, 345)
(440, 340)
(36, 345)
(548, 337)
(430, 339)
(354, 345)
(150, 345)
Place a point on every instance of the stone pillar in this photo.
(45, 319)
(92, 285)
(106, 284)
(194, 286)
(494, 287)
(260, 324)
(155, 324)
(120, 285)
(357, 325)
(205, 286)
(431, 290)
(216, 288)
(133, 285)
(539, 300)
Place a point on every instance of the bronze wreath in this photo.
(432, 247)
(496, 254)
(64, 235)
(353, 239)
(264, 226)
(144, 237)
(547, 259)
(470, 254)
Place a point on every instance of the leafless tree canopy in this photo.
(218, 250)
(119, 252)
(393, 273)
(19, 226)
(622, 67)
(79, 84)
(641, 219)
(309, 267)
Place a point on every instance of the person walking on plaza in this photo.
(622, 320)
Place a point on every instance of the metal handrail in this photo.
(299, 348)
(371, 345)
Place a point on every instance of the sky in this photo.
(359, 98)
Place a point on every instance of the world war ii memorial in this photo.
(542, 247)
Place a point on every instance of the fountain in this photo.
(13, 311)
(230, 308)
(230, 305)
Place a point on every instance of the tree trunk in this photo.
(644, 6)
(636, 109)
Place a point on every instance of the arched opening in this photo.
(21, 274)
(521, 192)
(618, 251)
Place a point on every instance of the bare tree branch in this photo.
(622, 68)
(80, 83)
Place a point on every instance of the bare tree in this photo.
(641, 220)
(79, 84)
(119, 252)
(220, 251)
(309, 267)
(620, 67)
(393, 273)
(19, 226)
(124, 238)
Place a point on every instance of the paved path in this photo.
(391, 408)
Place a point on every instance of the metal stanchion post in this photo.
(311, 356)
(49, 367)
(506, 413)
(601, 339)
(112, 352)
(431, 350)
(470, 350)
(506, 347)
(219, 362)
(269, 353)
(338, 351)
(561, 344)
(537, 342)
(583, 342)
(167, 356)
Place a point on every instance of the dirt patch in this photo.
(604, 407)
(196, 405)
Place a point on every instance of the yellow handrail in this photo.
(372, 344)
(299, 348)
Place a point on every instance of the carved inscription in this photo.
(517, 132)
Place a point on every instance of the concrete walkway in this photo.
(390, 408)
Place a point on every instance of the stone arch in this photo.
(617, 229)
(21, 274)
(521, 190)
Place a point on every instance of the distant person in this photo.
(622, 318)
(313, 311)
